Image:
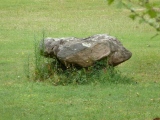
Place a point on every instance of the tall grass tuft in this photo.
(53, 71)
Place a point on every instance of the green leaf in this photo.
(152, 13)
(110, 2)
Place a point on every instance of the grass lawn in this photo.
(20, 99)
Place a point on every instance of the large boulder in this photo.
(85, 52)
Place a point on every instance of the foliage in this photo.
(147, 11)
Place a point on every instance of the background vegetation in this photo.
(22, 22)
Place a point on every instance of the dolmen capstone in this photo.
(84, 52)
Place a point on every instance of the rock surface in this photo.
(85, 52)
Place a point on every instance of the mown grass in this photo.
(20, 21)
